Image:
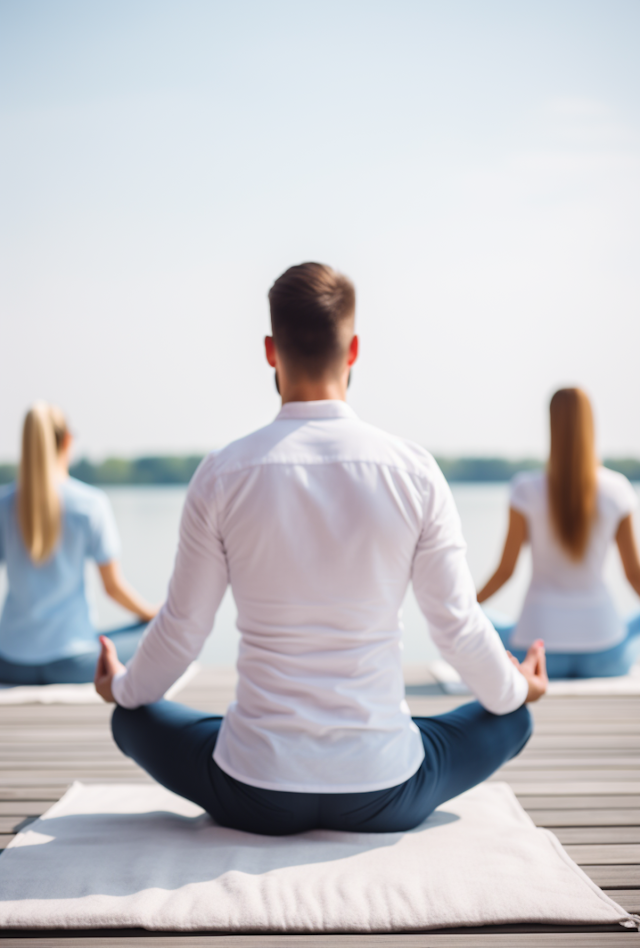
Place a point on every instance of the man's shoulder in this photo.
(388, 449)
(248, 451)
(348, 440)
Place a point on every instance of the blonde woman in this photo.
(571, 514)
(50, 524)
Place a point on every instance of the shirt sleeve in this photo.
(446, 594)
(625, 497)
(176, 635)
(519, 494)
(104, 541)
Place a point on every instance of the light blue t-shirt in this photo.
(46, 615)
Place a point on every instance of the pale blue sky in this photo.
(473, 165)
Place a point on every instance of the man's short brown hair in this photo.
(312, 307)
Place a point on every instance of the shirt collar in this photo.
(325, 408)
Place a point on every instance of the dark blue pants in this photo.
(174, 744)
(75, 670)
(609, 663)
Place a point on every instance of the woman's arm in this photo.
(516, 536)
(629, 552)
(118, 589)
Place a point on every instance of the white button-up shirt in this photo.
(319, 522)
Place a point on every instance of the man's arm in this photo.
(176, 636)
(446, 594)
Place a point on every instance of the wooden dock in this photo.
(579, 776)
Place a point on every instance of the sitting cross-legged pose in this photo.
(571, 514)
(319, 522)
(50, 524)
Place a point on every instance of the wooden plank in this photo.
(583, 802)
(58, 763)
(44, 792)
(11, 824)
(629, 899)
(52, 714)
(31, 735)
(617, 817)
(569, 728)
(605, 854)
(544, 939)
(597, 834)
(63, 780)
(32, 770)
(24, 808)
(108, 762)
(614, 877)
(23, 749)
(535, 774)
(570, 787)
(567, 761)
(613, 741)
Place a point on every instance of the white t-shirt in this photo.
(568, 604)
(319, 522)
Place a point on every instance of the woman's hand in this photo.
(108, 666)
(534, 669)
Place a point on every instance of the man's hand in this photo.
(534, 669)
(108, 666)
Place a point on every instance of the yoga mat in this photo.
(74, 694)
(138, 856)
(451, 683)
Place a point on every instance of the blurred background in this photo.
(473, 166)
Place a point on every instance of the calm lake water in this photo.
(148, 519)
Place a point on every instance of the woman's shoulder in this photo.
(615, 489)
(88, 511)
(81, 498)
(526, 489)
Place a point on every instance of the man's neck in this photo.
(310, 390)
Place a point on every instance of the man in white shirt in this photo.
(319, 521)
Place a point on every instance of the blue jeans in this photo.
(175, 744)
(74, 670)
(609, 663)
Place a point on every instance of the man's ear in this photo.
(354, 347)
(270, 351)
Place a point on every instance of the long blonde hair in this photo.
(39, 514)
(572, 470)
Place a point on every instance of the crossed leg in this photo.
(175, 744)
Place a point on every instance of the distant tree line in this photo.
(179, 470)
(138, 471)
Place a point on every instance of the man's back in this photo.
(320, 516)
